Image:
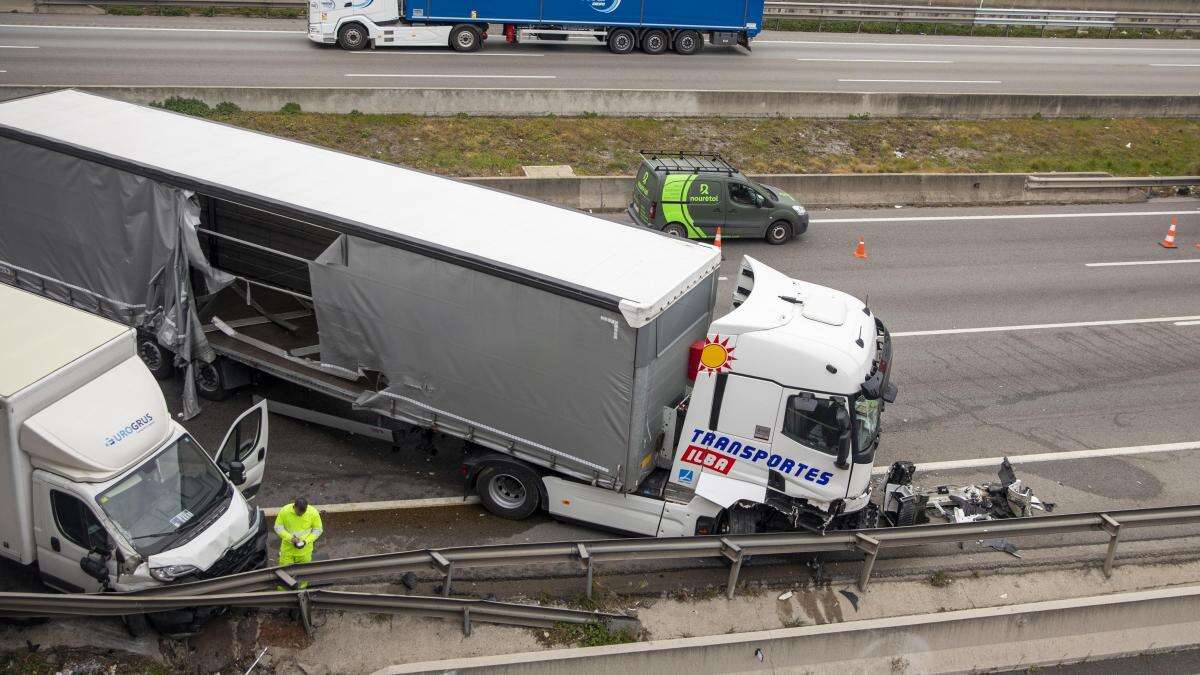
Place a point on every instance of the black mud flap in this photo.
(744, 41)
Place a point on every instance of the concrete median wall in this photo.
(612, 193)
(655, 103)
(1020, 636)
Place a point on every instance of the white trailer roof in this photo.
(39, 336)
(639, 271)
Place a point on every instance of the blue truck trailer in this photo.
(654, 26)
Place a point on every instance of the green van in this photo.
(690, 195)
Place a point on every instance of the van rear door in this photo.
(644, 195)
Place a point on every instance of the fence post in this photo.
(734, 553)
(1113, 528)
(870, 546)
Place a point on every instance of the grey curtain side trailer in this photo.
(533, 330)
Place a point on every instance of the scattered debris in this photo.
(1002, 545)
(786, 596)
(852, 597)
(409, 580)
(906, 504)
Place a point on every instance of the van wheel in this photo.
(210, 381)
(688, 42)
(508, 490)
(158, 360)
(353, 37)
(465, 38)
(621, 41)
(655, 41)
(675, 230)
(779, 232)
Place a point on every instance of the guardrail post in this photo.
(446, 568)
(305, 611)
(466, 621)
(870, 546)
(286, 579)
(585, 559)
(734, 553)
(1113, 528)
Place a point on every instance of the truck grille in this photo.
(248, 556)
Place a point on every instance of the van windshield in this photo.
(766, 191)
(165, 497)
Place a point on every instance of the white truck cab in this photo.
(100, 488)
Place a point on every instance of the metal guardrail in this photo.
(1039, 18)
(734, 548)
(1050, 182)
(485, 611)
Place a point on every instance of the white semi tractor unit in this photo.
(100, 489)
(578, 358)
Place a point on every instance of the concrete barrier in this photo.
(978, 640)
(654, 103)
(612, 193)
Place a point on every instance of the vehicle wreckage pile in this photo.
(905, 504)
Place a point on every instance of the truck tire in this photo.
(688, 42)
(465, 38)
(508, 490)
(353, 37)
(621, 41)
(780, 232)
(210, 381)
(675, 230)
(158, 360)
(738, 520)
(655, 41)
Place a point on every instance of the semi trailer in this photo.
(100, 488)
(579, 359)
(654, 26)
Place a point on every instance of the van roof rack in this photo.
(695, 162)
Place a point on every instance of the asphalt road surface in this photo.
(1089, 380)
(116, 50)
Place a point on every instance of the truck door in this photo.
(746, 214)
(246, 442)
(735, 440)
(811, 428)
(66, 529)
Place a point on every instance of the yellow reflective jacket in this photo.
(288, 525)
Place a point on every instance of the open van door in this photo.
(243, 453)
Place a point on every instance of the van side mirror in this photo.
(845, 440)
(95, 567)
(237, 473)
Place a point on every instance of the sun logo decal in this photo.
(716, 355)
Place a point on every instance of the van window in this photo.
(741, 193)
(76, 521)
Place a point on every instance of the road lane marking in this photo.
(445, 53)
(873, 61)
(1175, 65)
(179, 30)
(18, 46)
(926, 81)
(1043, 326)
(1142, 262)
(989, 462)
(1187, 323)
(1005, 216)
(456, 76)
(943, 45)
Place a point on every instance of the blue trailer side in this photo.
(739, 16)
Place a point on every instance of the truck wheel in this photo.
(780, 232)
(655, 41)
(465, 38)
(353, 37)
(675, 230)
(508, 490)
(739, 520)
(210, 381)
(621, 41)
(156, 357)
(688, 42)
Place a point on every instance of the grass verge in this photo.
(591, 634)
(499, 146)
(814, 26)
(170, 10)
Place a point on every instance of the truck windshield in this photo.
(866, 418)
(153, 506)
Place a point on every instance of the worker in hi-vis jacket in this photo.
(298, 526)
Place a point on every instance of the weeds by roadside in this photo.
(170, 10)
(591, 634)
(931, 28)
(940, 579)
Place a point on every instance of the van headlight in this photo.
(171, 572)
(798, 209)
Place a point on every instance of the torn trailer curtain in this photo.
(107, 241)
(509, 366)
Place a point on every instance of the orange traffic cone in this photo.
(861, 251)
(717, 241)
(1169, 242)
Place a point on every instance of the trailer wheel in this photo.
(621, 41)
(655, 41)
(210, 381)
(688, 42)
(353, 37)
(675, 230)
(779, 232)
(508, 490)
(158, 360)
(465, 38)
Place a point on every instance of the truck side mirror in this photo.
(237, 473)
(95, 568)
(844, 440)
